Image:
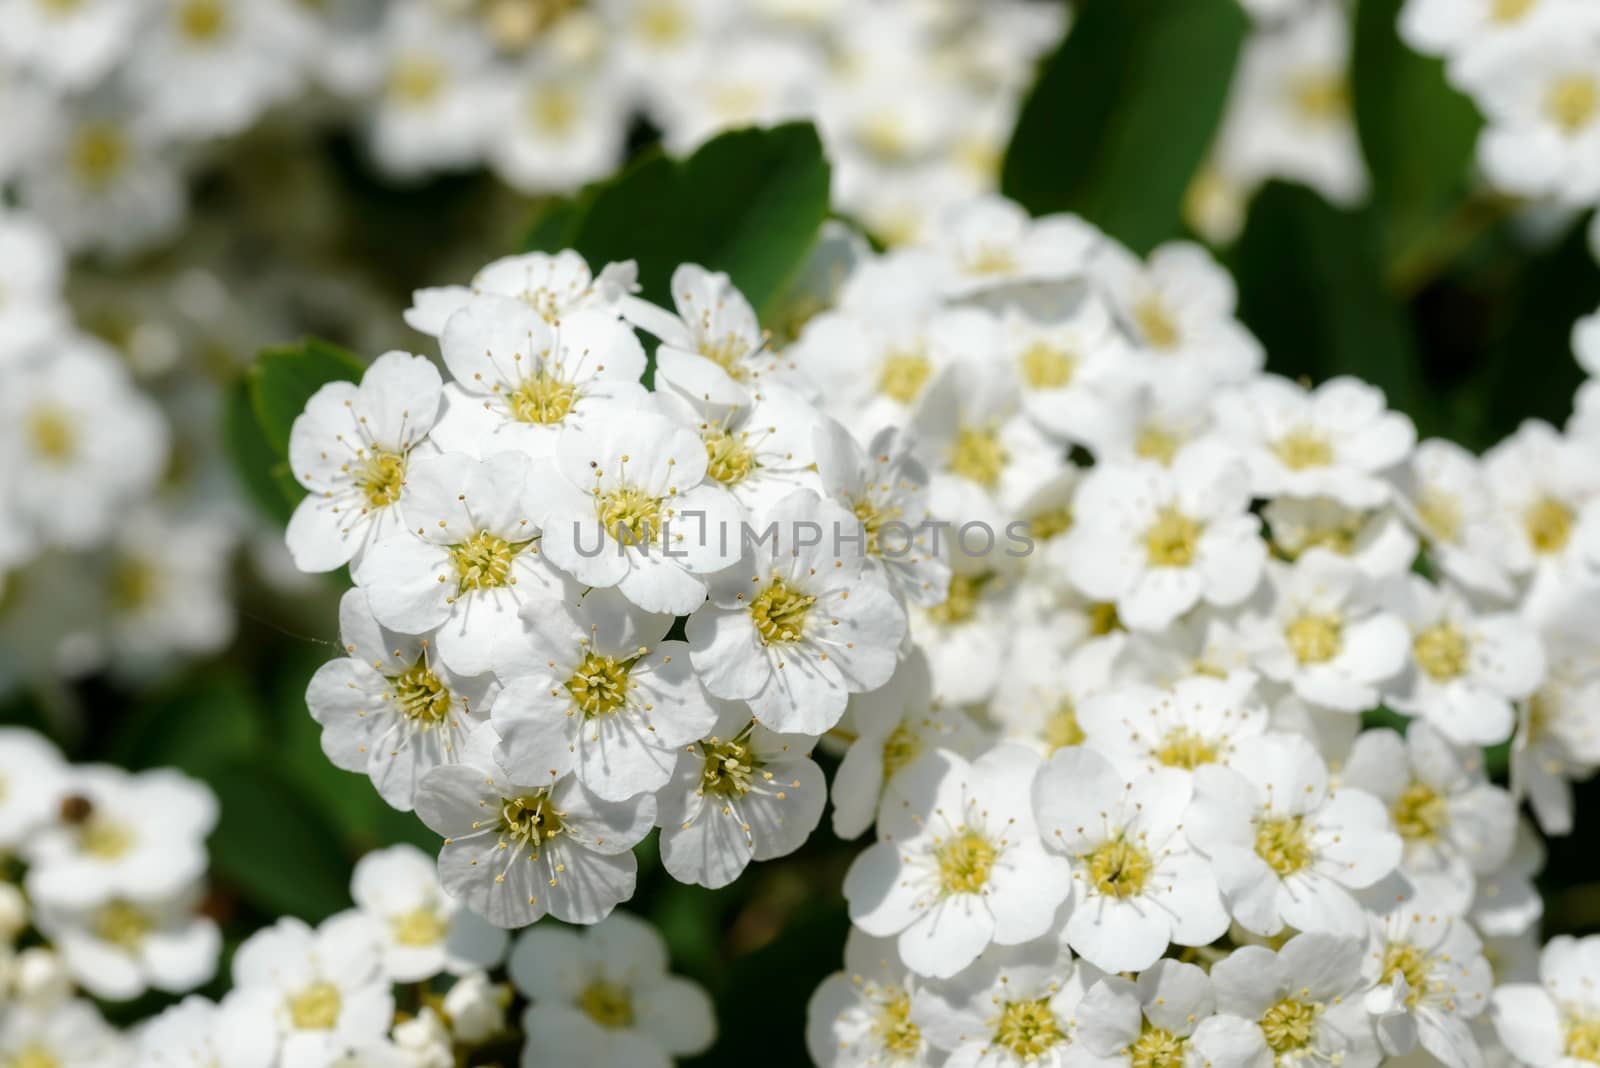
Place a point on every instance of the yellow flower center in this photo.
(554, 109)
(899, 749)
(883, 134)
(1062, 728)
(483, 562)
(894, 1029)
(977, 454)
(1288, 1025)
(903, 374)
(421, 695)
(1548, 522)
(1440, 514)
(728, 459)
(104, 839)
(1321, 96)
(729, 766)
(1302, 449)
(1154, 443)
(34, 1057)
(1511, 10)
(1051, 523)
(662, 24)
(1156, 324)
(608, 1004)
(1285, 845)
(1103, 619)
(132, 584)
(727, 354)
(1119, 868)
(420, 927)
(1046, 367)
(99, 153)
(316, 1008)
(1315, 639)
(1442, 651)
(872, 520)
(961, 600)
(51, 434)
(202, 21)
(1419, 813)
(599, 686)
(381, 477)
(1407, 961)
(1027, 1028)
(780, 612)
(965, 860)
(531, 819)
(1184, 748)
(1582, 1042)
(631, 516)
(1571, 101)
(543, 398)
(990, 260)
(123, 925)
(414, 79)
(1156, 1048)
(1171, 540)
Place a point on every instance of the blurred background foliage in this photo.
(1458, 304)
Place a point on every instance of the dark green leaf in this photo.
(552, 228)
(1418, 136)
(208, 719)
(283, 379)
(265, 475)
(749, 202)
(1311, 289)
(1124, 113)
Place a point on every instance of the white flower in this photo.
(604, 996)
(1556, 1020)
(1286, 849)
(33, 779)
(1179, 306)
(886, 487)
(519, 380)
(1303, 998)
(557, 125)
(196, 1033)
(1377, 541)
(1195, 721)
(1335, 441)
(1046, 682)
(894, 726)
(1444, 494)
(425, 1040)
(1537, 90)
(742, 793)
(958, 864)
(1541, 483)
(1457, 28)
(593, 689)
(351, 449)
(862, 1017)
(324, 989)
(390, 709)
(1324, 635)
(761, 451)
(968, 634)
(1157, 541)
(713, 348)
(627, 503)
(1557, 736)
(796, 626)
(139, 836)
(1431, 980)
(1138, 885)
(32, 271)
(1157, 421)
(70, 45)
(989, 242)
(552, 285)
(757, 80)
(1015, 1006)
(1068, 356)
(209, 68)
(514, 852)
(432, 112)
(1167, 1017)
(468, 562)
(119, 949)
(1289, 114)
(1466, 668)
(1452, 820)
(420, 930)
(68, 1034)
(78, 443)
(476, 1008)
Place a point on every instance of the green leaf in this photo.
(276, 846)
(553, 225)
(283, 379)
(749, 202)
(1311, 289)
(1124, 113)
(208, 718)
(1418, 135)
(265, 475)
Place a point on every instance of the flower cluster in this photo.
(109, 104)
